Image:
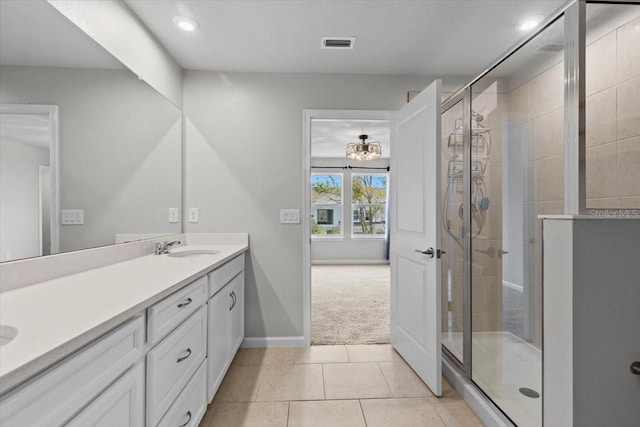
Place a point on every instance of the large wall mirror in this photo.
(90, 155)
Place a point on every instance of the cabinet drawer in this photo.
(172, 362)
(53, 397)
(122, 404)
(190, 406)
(221, 275)
(171, 311)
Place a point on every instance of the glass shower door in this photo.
(517, 173)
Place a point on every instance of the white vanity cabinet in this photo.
(161, 368)
(57, 395)
(225, 320)
(120, 405)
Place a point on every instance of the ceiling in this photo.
(443, 38)
(329, 137)
(423, 37)
(34, 33)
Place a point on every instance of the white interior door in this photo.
(415, 234)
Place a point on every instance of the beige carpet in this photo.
(349, 304)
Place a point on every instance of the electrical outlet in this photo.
(174, 215)
(193, 215)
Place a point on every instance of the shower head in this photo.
(477, 117)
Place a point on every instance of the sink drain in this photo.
(529, 393)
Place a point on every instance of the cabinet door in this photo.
(237, 314)
(121, 405)
(173, 362)
(191, 404)
(218, 340)
(61, 391)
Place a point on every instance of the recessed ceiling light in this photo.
(530, 23)
(185, 23)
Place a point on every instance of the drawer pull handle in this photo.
(188, 420)
(233, 298)
(183, 358)
(185, 303)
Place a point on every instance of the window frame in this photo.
(355, 205)
(316, 207)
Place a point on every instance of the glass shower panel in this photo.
(452, 237)
(517, 173)
(612, 112)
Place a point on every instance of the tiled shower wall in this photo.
(525, 174)
(613, 119)
(536, 124)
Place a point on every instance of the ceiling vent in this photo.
(338, 42)
(551, 48)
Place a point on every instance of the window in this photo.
(326, 205)
(369, 205)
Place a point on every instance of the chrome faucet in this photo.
(164, 247)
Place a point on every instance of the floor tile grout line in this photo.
(324, 389)
(385, 380)
(362, 411)
(444, 423)
(288, 412)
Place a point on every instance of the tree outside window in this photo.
(369, 204)
(326, 205)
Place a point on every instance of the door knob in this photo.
(429, 252)
(635, 368)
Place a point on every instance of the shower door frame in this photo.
(574, 13)
(464, 96)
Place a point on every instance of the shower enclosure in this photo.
(512, 150)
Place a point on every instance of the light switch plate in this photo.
(174, 215)
(193, 215)
(289, 216)
(72, 217)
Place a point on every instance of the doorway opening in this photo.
(347, 275)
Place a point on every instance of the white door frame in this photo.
(51, 111)
(305, 212)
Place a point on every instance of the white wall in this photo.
(591, 318)
(346, 249)
(244, 163)
(120, 149)
(19, 230)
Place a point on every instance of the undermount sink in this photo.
(7, 333)
(192, 252)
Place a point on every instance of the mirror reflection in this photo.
(89, 154)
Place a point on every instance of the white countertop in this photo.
(57, 317)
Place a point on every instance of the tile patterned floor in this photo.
(337, 385)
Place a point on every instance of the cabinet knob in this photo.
(635, 368)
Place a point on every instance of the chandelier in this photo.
(364, 150)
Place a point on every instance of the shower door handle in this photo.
(635, 368)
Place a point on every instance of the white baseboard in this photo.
(349, 262)
(491, 417)
(273, 342)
